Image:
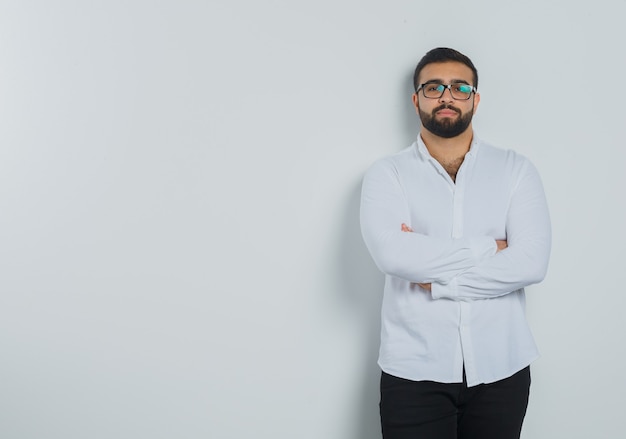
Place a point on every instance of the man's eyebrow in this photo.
(441, 81)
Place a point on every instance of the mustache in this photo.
(446, 107)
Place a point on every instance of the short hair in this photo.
(443, 54)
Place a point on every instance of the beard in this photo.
(446, 127)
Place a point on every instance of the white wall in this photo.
(179, 246)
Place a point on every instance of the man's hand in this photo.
(406, 228)
(502, 244)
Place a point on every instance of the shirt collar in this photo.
(423, 151)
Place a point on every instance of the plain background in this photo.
(180, 254)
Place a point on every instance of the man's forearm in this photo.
(501, 245)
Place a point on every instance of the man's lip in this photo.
(447, 113)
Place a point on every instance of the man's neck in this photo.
(448, 152)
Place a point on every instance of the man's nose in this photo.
(446, 96)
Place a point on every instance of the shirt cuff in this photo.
(483, 247)
(444, 291)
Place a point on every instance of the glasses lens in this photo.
(433, 90)
(461, 91)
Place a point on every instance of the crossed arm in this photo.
(467, 268)
(501, 245)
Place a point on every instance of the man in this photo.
(459, 228)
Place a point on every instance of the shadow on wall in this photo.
(362, 284)
(410, 120)
(362, 287)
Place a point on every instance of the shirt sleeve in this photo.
(411, 256)
(523, 262)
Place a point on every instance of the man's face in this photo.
(445, 116)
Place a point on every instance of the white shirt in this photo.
(475, 315)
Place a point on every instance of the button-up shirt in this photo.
(474, 318)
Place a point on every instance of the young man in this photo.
(459, 228)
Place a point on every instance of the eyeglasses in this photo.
(434, 90)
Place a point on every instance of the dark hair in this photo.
(443, 54)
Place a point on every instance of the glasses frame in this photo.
(446, 87)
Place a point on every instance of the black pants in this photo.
(430, 410)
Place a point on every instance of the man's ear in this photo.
(476, 101)
(416, 103)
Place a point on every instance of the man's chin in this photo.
(447, 131)
(447, 126)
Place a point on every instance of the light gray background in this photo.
(180, 255)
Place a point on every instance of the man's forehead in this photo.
(446, 71)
